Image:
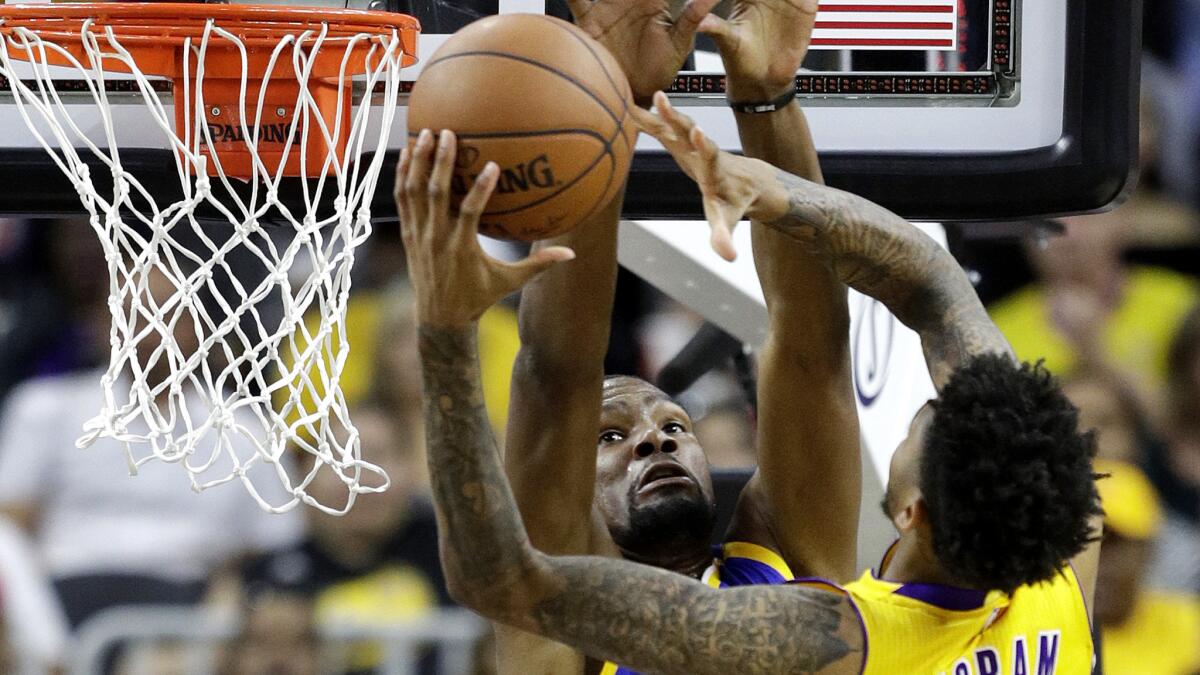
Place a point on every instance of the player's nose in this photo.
(654, 440)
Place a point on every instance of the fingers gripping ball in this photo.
(545, 102)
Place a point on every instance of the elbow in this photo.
(501, 595)
(469, 593)
(476, 595)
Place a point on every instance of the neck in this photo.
(912, 562)
(689, 559)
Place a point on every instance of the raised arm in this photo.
(565, 314)
(653, 620)
(556, 388)
(869, 248)
(564, 323)
(807, 420)
(553, 413)
(881, 255)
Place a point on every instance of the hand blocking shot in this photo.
(993, 492)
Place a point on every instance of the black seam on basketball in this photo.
(621, 132)
(606, 149)
(599, 61)
(537, 64)
(525, 134)
(607, 75)
(600, 201)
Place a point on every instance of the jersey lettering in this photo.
(1048, 652)
(1020, 664)
(988, 661)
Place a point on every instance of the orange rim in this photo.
(153, 28)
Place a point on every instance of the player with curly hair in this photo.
(992, 493)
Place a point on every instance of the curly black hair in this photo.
(1007, 475)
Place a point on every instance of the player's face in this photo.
(651, 473)
(904, 475)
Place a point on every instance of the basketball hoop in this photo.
(260, 94)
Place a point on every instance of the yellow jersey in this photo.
(929, 629)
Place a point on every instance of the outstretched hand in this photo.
(762, 43)
(454, 281)
(727, 182)
(649, 43)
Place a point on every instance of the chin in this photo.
(669, 516)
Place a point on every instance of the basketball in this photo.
(543, 100)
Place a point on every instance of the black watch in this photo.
(771, 106)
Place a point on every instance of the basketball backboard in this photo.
(938, 109)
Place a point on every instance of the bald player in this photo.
(992, 493)
(611, 466)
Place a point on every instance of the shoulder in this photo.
(745, 564)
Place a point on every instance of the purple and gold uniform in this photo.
(734, 564)
(930, 629)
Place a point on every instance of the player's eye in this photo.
(611, 436)
(674, 428)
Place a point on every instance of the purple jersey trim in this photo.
(949, 598)
(735, 571)
(944, 597)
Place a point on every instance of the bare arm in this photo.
(869, 248)
(807, 420)
(649, 619)
(553, 413)
(808, 423)
(881, 255)
(556, 389)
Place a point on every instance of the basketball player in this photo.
(628, 477)
(992, 493)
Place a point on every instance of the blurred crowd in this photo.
(85, 547)
(1111, 302)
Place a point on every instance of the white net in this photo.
(201, 373)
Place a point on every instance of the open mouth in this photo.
(662, 475)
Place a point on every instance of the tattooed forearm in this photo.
(653, 620)
(657, 622)
(883, 256)
(483, 543)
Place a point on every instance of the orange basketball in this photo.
(543, 100)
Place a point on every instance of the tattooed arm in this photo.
(652, 620)
(869, 248)
(648, 619)
(881, 255)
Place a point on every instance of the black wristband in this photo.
(764, 106)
